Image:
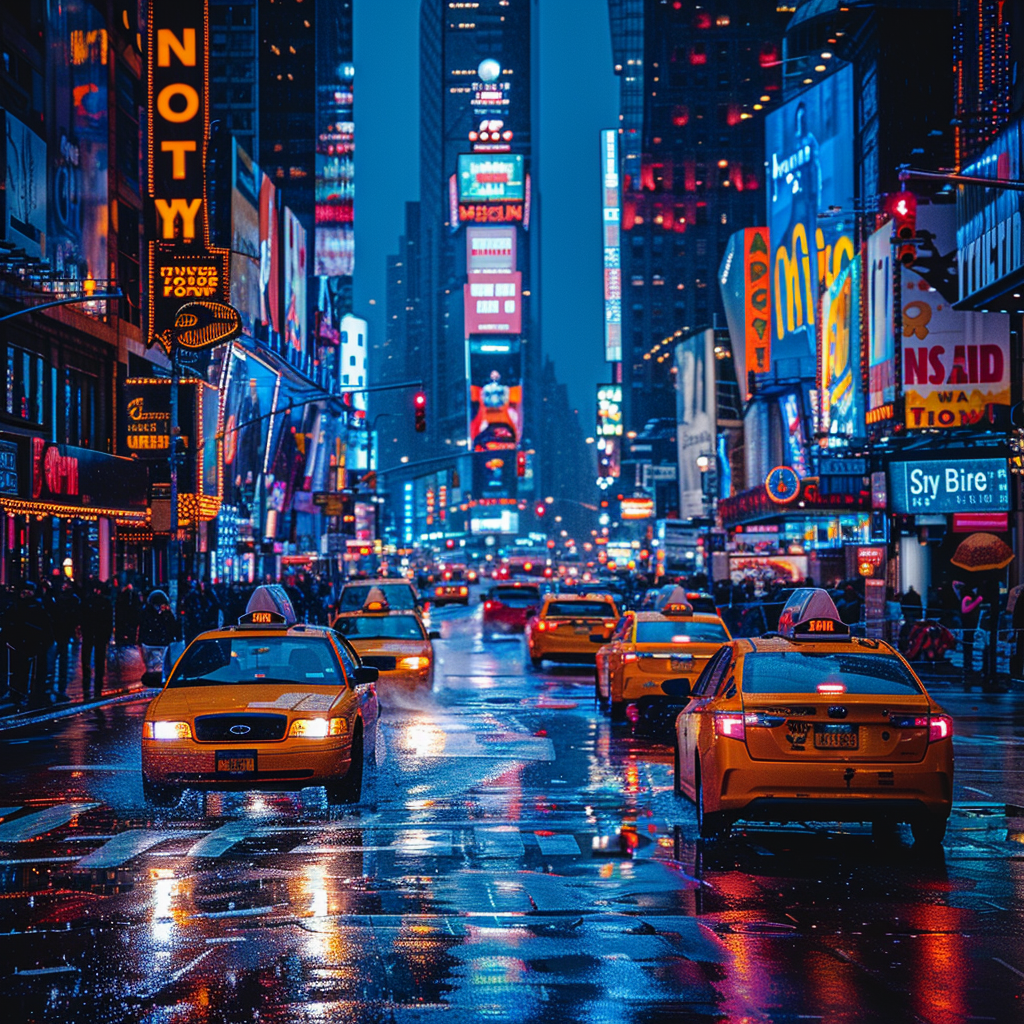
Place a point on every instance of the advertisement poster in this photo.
(959, 485)
(245, 238)
(492, 303)
(490, 178)
(495, 396)
(294, 283)
(956, 366)
(809, 146)
(881, 338)
(270, 256)
(764, 570)
(335, 178)
(745, 282)
(24, 188)
(494, 479)
(695, 417)
(842, 395)
(796, 441)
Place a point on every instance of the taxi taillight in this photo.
(729, 724)
(541, 626)
(940, 727)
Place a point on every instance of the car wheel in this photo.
(349, 789)
(713, 825)
(536, 662)
(677, 773)
(929, 830)
(159, 795)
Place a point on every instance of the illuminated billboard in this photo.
(493, 303)
(270, 256)
(490, 213)
(956, 365)
(489, 178)
(744, 281)
(294, 283)
(245, 237)
(841, 410)
(696, 412)
(182, 265)
(609, 410)
(490, 249)
(335, 177)
(809, 146)
(495, 396)
(611, 216)
(881, 335)
(609, 460)
(24, 199)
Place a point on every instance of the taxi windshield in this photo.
(389, 627)
(303, 661)
(805, 671)
(580, 610)
(398, 595)
(680, 631)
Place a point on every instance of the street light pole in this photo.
(173, 552)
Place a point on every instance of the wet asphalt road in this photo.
(513, 858)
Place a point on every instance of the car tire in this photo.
(160, 795)
(929, 830)
(677, 772)
(349, 789)
(536, 662)
(715, 825)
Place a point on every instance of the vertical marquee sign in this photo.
(182, 265)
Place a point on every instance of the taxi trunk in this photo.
(838, 727)
(656, 661)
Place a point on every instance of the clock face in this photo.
(783, 485)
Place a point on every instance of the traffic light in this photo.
(540, 509)
(420, 405)
(520, 463)
(903, 207)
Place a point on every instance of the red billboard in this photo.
(493, 303)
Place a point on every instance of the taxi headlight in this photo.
(413, 664)
(310, 728)
(166, 731)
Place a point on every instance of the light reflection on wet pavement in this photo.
(513, 858)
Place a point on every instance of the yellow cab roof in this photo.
(361, 612)
(861, 645)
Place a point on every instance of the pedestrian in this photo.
(911, 604)
(192, 612)
(158, 629)
(97, 630)
(67, 620)
(33, 639)
(849, 606)
(127, 611)
(970, 617)
(209, 607)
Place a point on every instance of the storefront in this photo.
(66, 509)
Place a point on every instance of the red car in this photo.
(508, 606)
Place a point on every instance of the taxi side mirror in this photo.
(366, 674)
(434, 634)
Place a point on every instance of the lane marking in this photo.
(124, 847)
(974, 789)
(20, 830)
(1020, 974)
(559, 845)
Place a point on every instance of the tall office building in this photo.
(691, 168)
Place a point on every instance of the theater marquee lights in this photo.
(182, 265)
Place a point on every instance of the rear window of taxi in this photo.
(255, 660)
(398, 595)
(381, 627)
(580, 610)
(806, 671)
(682, 632)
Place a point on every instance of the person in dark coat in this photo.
(97, 630)
(911, 603)
(209, 607)
(157, 631)
(33, 639)
(67, 618)
(127, 611)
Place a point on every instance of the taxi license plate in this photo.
(236, 762)
(836, 737)
(680, 664)
(582, 629)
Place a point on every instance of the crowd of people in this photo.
(58, 630)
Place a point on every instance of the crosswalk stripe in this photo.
(123, 848)
(499, 842)
(20, 830)
(218, 842)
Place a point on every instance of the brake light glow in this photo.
(489, 606)
(629, 657)
(463, 591)
(831, 687)
(940, 727)
(541, 626)
(730, 724)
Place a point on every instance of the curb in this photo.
(26, 719)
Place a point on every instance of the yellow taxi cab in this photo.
(647, 668)
(812, 724)
(400, 594)
(267, 704)
(392, 641)
(565, 628)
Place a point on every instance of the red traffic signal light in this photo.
(540, 509)
(903, 207)
(520, 463)
(419, 403)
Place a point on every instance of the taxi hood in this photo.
(269, 697)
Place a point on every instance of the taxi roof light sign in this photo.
(269, 600)
(677, 604)
(810, 613)
(376, 601)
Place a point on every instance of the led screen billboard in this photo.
(24, 198)
(841, 412)
(809, 146)
(335, 178)
(609, 410)
(294, 283)
(245, 237)
(881, 334)
(495, 395)
(490, 178)
(956, 365)
(611, 217)
(270, 256)
(493, 303)
(490, 249)
(696, 411)
(795, 439)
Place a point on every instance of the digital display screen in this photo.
(491, 178)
